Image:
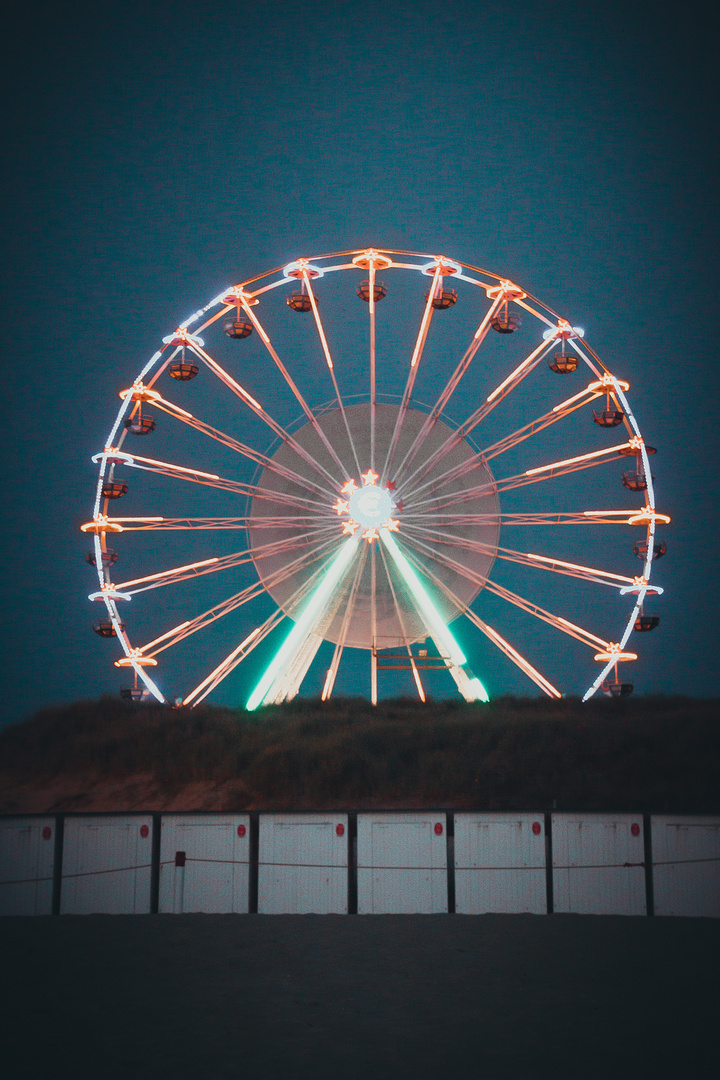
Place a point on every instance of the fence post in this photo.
(57, 863)
(352, 864)
(450, 835)
(549, 863)
(647, 842)
(155, 865)
(254, 857)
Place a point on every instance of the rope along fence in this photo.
(358, 866)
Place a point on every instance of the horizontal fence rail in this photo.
(364, 862)
(359, 866)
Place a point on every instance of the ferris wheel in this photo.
(443, 412)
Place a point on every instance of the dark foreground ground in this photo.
(469, 998)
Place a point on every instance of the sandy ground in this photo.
(97, 793)
(347, 997)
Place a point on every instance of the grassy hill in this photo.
(642, 754)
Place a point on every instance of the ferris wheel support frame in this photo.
(246, 296)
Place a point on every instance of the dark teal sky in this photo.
(155, 153)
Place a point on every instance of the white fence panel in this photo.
(27, 848)
(500, 864)
(303, 864)
(686, 865)
(204, 863)
(106, 866)
(598, 864)
(402, 863)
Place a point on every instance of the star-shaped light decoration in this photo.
(390, 485)
(365, 507)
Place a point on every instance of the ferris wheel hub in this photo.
(370, 506)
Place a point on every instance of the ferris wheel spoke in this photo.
(199, 622)
(196, 476)
(564, 625)
(263, 415)
(479, 337)
(538, 562)
(596, 365)
(226, 562)
(234, 658)
(373, 380)
(330, 364)
(533, 311)
(159, 524)
(530, 476)
(525, 666)
(499, 394)
(557, 621)
(155, 524)
(559, 566)
(401, 620)
(581, 517)
(292, 384)
(182, 472)
(559, 412)
(233, 444)
(373, 625)
(412, 373)
(512, 654)
(342, 637)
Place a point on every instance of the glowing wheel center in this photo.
(370, 506)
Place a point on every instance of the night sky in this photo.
(158, 152)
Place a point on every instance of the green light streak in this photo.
(482, 694)
(434, 620)
(317, 601)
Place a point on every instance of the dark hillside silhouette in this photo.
(651, 754)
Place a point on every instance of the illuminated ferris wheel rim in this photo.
(245, 296)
